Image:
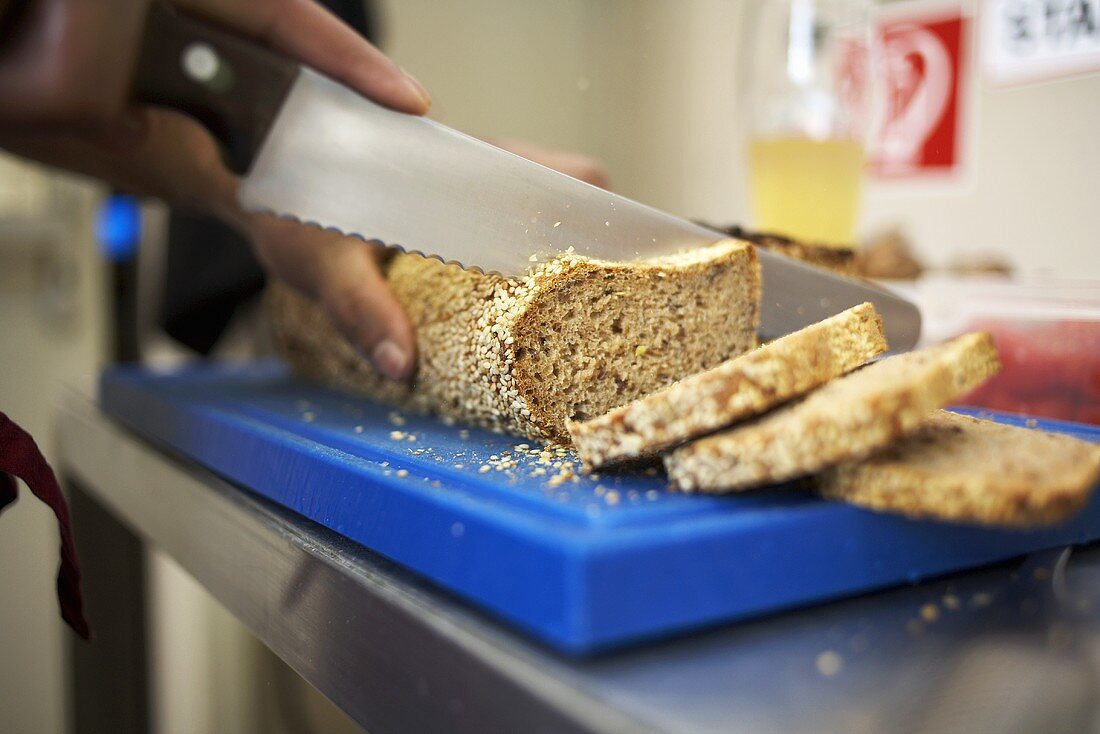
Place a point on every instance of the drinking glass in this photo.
(807, 88)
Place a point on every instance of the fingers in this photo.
(363, 308)
(311, 34)
(577, 165)
(343, 274)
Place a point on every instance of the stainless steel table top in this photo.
(1011, 648)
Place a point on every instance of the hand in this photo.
(63, 82)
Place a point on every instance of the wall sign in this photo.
(1038, 40)
(924, 57)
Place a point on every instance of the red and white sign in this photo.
(924, 58)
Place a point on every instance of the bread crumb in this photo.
(829, 663)
(358, 429)
(484, 468)
(612, 497)
(981, 599)
(950, 601)
(640, 350)
(402, 473)
(930, 612)
(398, 435)
(308, 416)
(397, 419)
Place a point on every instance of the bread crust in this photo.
(963, 469)
(845, 420)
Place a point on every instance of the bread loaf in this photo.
(845, 420)
(963, 469)
(738, 388)
(841, 260)
(572, 340)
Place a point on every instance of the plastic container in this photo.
(1047, 332)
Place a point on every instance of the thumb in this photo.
(355, 294)
(344, 274)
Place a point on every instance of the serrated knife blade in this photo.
(338, 160)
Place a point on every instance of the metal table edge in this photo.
(113, 463)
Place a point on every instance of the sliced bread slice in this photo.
(741, 387)
(963, 469)
(846, 419)
(574, 339)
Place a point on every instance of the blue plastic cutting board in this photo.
(582, 566)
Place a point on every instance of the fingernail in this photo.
(389, 359)
(419, 88)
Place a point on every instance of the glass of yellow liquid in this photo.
(807, 107)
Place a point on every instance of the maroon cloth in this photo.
(20, 457)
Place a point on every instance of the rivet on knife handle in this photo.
(232, 85)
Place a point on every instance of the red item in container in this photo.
(1051, 369)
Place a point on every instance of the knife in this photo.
(314, 150)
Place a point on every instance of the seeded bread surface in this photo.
(573, 339)
(739, 388)
(968, 470)
(845, 420)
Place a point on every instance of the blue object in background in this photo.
(582, 565)
(118, 227)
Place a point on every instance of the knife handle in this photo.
(232, 85)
